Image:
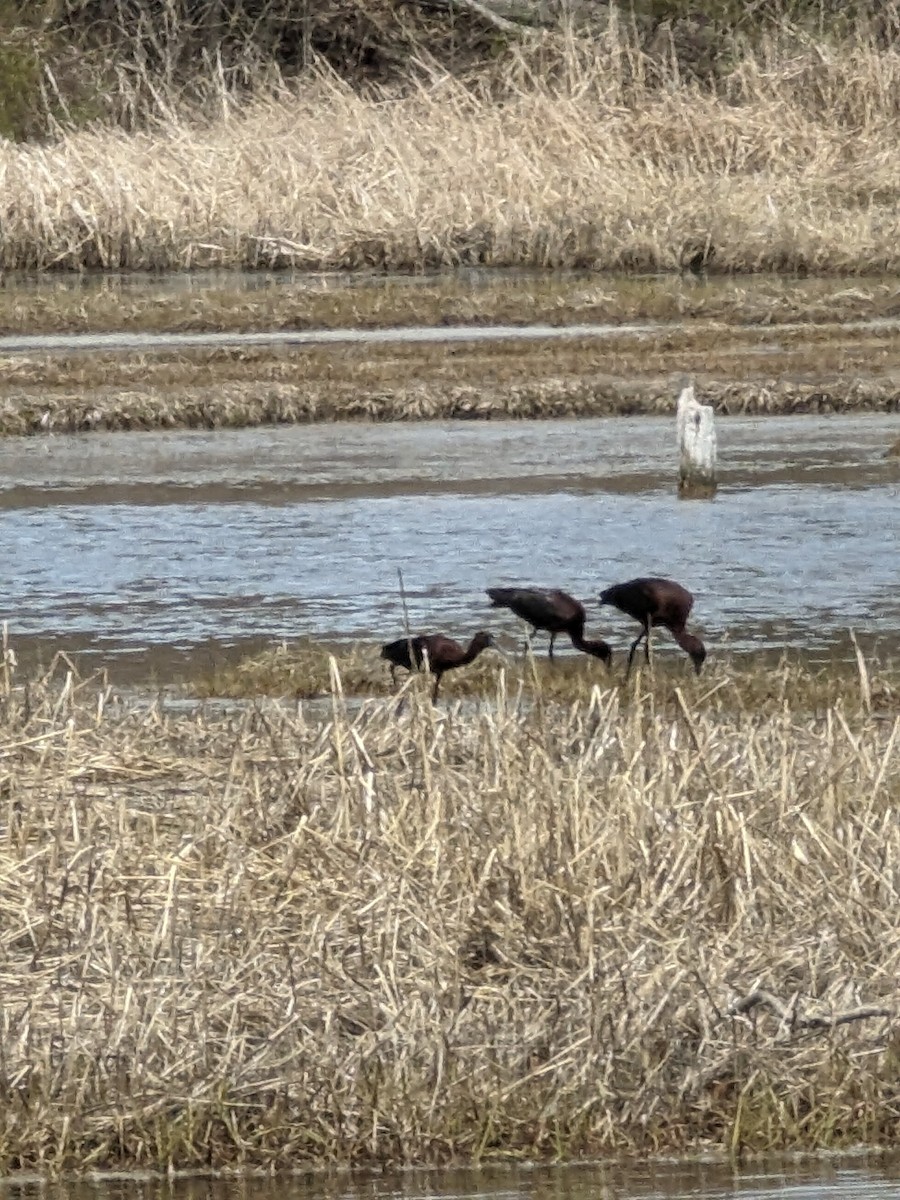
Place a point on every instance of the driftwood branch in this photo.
(796, 1019)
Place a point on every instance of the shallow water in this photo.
(172, 282)
(406, 335)
(826, 1179)
(132, 544)
(842, 307)
(472, 277)
(411, 334)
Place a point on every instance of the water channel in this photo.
(145, 548)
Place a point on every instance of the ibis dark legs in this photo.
(643, 636)
(530, 635)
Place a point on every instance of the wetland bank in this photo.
(462, 346)
(554, 916)
(591, 150)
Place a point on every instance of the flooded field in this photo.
(852, 1178)
(151, 549)
(300, 472)
(127, 354)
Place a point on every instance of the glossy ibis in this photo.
(444, 654)
(554, 612)
(656, 602)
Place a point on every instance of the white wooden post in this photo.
(697, 447)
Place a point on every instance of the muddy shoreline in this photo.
(248, 670)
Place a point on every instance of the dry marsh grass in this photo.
(819, 369)
(455, 933)
(603, 160)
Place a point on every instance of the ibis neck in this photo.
(576, 633)
(687, 641)
(472, 651)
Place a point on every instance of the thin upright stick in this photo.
(5, 651)
(406, 628)
(403, 603)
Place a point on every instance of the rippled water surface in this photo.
(822, 1180)
(120, 542)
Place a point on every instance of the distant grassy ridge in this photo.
(578, 148)
(649, 919)
(753, 346)
(241, 406)
(702, 310)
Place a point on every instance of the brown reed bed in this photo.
(739, 371)
(511, 930)
(601, 158)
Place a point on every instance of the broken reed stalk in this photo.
(282, 935)
(8, 659)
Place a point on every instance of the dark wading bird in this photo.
(656, 602)
(444, 654)
(554, 612)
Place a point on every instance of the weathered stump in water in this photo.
(697, 447)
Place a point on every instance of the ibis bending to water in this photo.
(444, 654)
(553, 611)
(656, 602)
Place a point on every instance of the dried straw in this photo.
(370, 934)
(610, 162)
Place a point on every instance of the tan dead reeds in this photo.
(50, 393)
(790, 167)
(369, 934)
